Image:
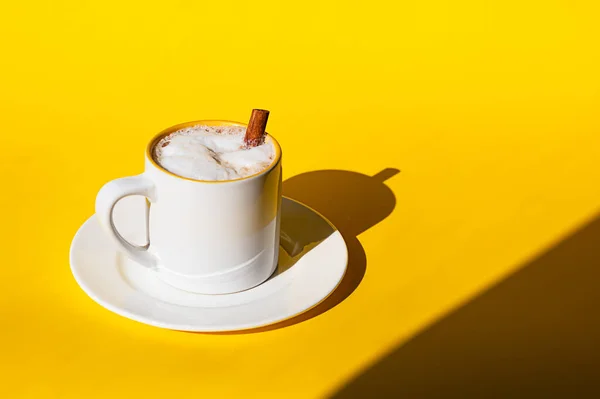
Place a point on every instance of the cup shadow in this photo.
(353, 202)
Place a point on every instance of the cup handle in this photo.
(107, 198)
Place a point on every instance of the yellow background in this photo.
(488, 108)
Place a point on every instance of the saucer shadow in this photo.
(353, 202)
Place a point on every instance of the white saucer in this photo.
(312, 262)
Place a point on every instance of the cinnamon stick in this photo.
(255, 132)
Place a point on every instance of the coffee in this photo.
(206, 238)
(212, 153)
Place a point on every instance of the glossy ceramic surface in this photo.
(312, 262)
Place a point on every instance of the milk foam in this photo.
(212, 153)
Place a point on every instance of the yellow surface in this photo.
(488, 108)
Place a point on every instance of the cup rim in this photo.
(209, 122)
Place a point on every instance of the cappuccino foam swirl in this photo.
(212, 153)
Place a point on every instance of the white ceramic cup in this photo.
(211, 237)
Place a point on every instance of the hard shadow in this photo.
(353, 203)
(534, 335)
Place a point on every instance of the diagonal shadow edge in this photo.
(534, 334)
